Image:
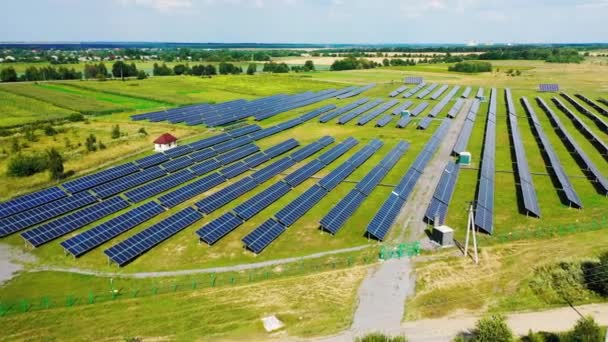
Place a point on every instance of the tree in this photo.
(122, 70)
(142, 131)
(181, 69)
(252, 68)
(141, 75)
(55, 164)
(309, 66)
(8, 75)
(161, 70)
(492, 329)
(115, 132)
(586, 330)
(386, 62)
(15, 146)
(90, 143)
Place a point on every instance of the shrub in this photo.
(585, 330)
(555, 283)
(15, 146)
(102, 146)
(595, 275)
(471, 67)
(90, 143)
(23, 166)
(492, 329)
(141, 75)
(115, 132)
(75, 117)
(49, 130)
(378, 337)
(55, 164)
(29, 133)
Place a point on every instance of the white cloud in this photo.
(164, 6)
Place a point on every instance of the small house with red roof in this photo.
(165, 142)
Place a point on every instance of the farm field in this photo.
(439, 277)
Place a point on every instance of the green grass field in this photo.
(183, 251)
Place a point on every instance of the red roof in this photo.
(165, 139)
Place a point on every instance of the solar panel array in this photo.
(414, 80)
(467, 128)
(548, 87)
(303, 203)
(439, 106)
(598, 121)
(220, 227)
(376, 112)
(337, 112)
(404, 121)
(440, 91)
(427, 90)
(354, 113)
(604, 101)
(414, 90)
(397, 91)
(383, 121)
(31, 200)
(484, 208)
(466, 93)
(599, 144)
(456, 108)
(232, 111)
(480, 93)
(425, 123)
(405, 105)
(101, 177)
(356, 91)
(554, 161)
(337, 216)
(419, 108)
(437, 210)
(388, 212)
(600, 181)
(526, 185)
(592, 103)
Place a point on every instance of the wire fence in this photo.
(205, 281)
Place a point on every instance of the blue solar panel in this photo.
(68, 223)
(203, 154)
(404, 121)
(371, 180)
(334, 114)
(548, 87)
(259, 202)
(338, 150)
(31, 217)
(424, 123)
(29, 201)
(466, 93)
(261, 237)
(334, 178)
(384, 121)
(256, 159)
(218, 228)
(232, 144)
(243, 131)
(232, 171)
(237, 154)
(376, 112)
(281, 148)
(338, 215)
(101, 177)
(197, 145)
(298, 207)
(385, 217)
(159, 185)
(225, 195)
(195, 188)
(437, 209)
(84, 242)
(308, 151)
(272, 170)
(122, 184)
(593, 104)
(177, 164)
(151, 160)
(205, 167)
(178, 151)
(300, 175)
(129, 249)
(354, 113)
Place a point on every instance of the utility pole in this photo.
(471, 228)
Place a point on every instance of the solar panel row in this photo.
(484, 209)
(414, 80)
(387, 214)
(466, 93)
(419, 108)
(437, 210)
(526, 184)
(337, 216)
(354, 113)
(550, 87)
(480, 93)
(404, 121)
(335, 113)
(31, 200)
(427, 90)
(92, 180)
(414, 90)
(405, 105)
(590, 102)
(440, 91)
(456, 108)
(467, 128)
(383, 121)
(397, 91)
(603, 125)
(589, 166)
(554, 161)
(376, 112)
(424, 123)
(356, 91)
(599, 144)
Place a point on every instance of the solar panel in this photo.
(404, 121)
(89, 181)
(122, 184)
(485, 192)
(385, 217)
(261, 237)
(160, 185)
(590, 102)
(306, 151)
(195, 188)
(177, 164)
(414, 80)
(356, 112)
(300, 175)
(338, 150)
(371, 180)
(375, 113)
(466, 93)
(151, 160)
(233, 170)
(272, 170)
(334, 114)
(440, 91)
(414, 90)
(237, 154)
(178, 151)
(205, 167)
(256, 159)
(232, 144)
(129, 249)
(202, 155)
(218, 228)
(243, 131)
(334, 178)
(31, 200)
(397, 91)
(601, 124)
(207, 142)
(88, 240)
(266, 132)
(427, 91)
(356, 92)
(425, 122)
(548, 87)
(36, 215)
(337, 216)
(456, 108)
(282, 148)
(437, 210)
(405, 105)
(480, 93)
(68, 223)
(384, 121)
(298, 207)
(262, 200)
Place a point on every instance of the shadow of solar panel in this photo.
(68, 223)
(122, 184)
(225, 195)
(89, 181)
(195, 188)
(218, 228)
(29, 201)
(160, 185)
(282, 148)
(262, 200)
(404, 121)
(256, 159)
(261, 237)
(88, 240)
(337, 216)
(301, 205)
(33, 216)
(385, 217)
(237, 154)
(129, 249)
(151, 160)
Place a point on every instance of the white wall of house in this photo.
(164, 147)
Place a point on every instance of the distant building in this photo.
(165, 142)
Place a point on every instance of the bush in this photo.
(49, 130)
(471, 67)
(90, 143)
(55, 164)
(141, 75)
(75, 117)
(595, 275)
(559, 282)
(115, 132)
(142, 131)
(30, 133)
(492, 329)
(378, 337)
(23, 166)
(585, 330)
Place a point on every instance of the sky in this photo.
(307, 21)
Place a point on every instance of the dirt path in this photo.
(414, 209)
(233, 268)
(12, 261)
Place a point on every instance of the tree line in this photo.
(471, 67)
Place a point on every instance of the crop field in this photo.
(184, 251)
